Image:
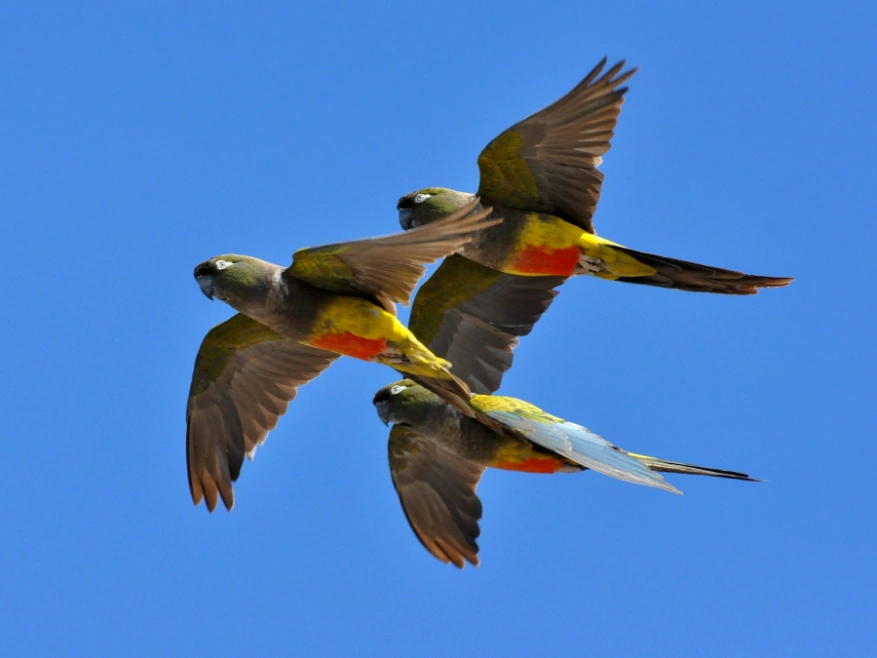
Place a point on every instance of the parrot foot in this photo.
(435, 367)
(589, 265)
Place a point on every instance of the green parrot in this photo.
(474, 316)
(437, 456)
(292, 323)
(541, 177)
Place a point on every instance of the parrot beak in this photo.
(204, 277)
(205, 282)
(405, 218)
(380, 401)
(382, 412)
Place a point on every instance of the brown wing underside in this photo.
(473, 316)
(245, 377)
(548, 162)
(437, 493)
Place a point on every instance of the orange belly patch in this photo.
(532, 465)
(350, 344)
(537, 259)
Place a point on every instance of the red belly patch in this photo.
(350, 344)
(536, 259)
(532, 465)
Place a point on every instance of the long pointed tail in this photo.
(663, 466)
(684, 275)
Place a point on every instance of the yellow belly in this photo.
(546, 246)
(358, 328)
(550, 246)
(517, 458)
(355, 327)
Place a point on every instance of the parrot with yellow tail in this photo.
(292, 323)
(541, 177)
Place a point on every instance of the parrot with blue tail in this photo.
(437, 456)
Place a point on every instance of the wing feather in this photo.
(245, 376)
(473, 316)
(548, 162)
(388, 268)
(437, 491)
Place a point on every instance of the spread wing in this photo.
(472, 316)
(576, 443)
(548, 162)
(245, 376)
(437, 492)
(387, 268)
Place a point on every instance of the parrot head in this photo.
(233, 279)
(429, 204)
(406, 403)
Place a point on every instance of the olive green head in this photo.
(232, 278)
(429, 204)
(406, 403)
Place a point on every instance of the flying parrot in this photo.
(541, 177)
(474, 316)
(293, 323)
(437, 456)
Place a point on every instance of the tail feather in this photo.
(452, 390)
(664, 466)
(685, 275)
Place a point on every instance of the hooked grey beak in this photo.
(382, 412)
(405, 218)
(205, 282)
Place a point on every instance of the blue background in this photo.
(140, 139)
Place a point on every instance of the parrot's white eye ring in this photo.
(222, 264)
(397, 389)
(420, 198)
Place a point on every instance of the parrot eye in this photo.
(420, 198)
(222, 264)
(397, 389)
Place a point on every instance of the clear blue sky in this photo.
(142, 138)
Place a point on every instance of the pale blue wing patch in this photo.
(580, 445)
